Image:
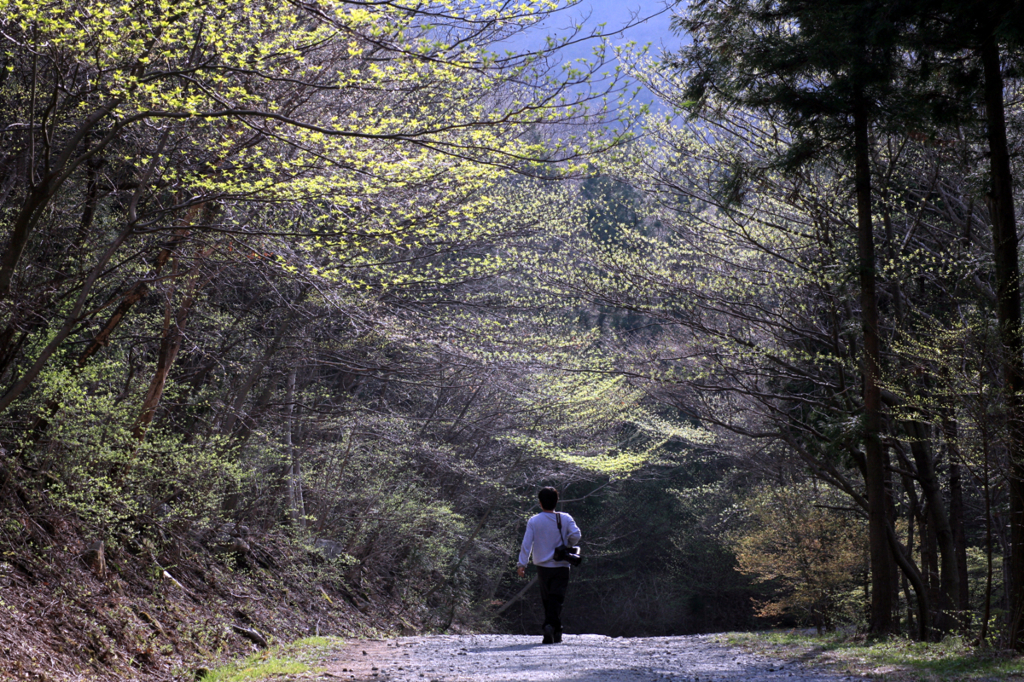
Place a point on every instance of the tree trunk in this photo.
(1007, 271)
(295, 505)
(906, 582)
(881, 620)
(957, 513)
(910, 570)
(905, 556)
(940, 529)
(930, 565)
(891, 513)
(956, 520)
(134, 295)
(170, 344)
(987, 612)
(169, 347)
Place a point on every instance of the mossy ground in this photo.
(300, 656)
(890, 659)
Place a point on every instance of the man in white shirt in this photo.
(542, 536)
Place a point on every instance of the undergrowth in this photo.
(890, 659)
(294, 658)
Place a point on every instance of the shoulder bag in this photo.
(562, 552)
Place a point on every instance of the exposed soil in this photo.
(580, 658)
(165, 614)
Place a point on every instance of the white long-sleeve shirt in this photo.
(542, 537)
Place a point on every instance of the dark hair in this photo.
(548, 498)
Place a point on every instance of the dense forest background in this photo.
(317, 296)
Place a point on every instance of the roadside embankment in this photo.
(74, 610)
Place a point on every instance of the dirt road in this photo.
(580, 658)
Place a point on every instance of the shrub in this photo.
(799, 537)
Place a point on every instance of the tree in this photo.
(250, 255)
(796, 534)
(782, 59)
(258, 103)
(991, 34)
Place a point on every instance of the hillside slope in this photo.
(134, 613)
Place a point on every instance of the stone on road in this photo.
(579, 658)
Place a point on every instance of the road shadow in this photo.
(510, 647)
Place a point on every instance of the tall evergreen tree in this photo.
(783, 59)
(962, 52)
(973, 44)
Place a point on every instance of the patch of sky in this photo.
(588, 23)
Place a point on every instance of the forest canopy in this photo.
(361, 277)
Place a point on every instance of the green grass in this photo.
(890, 659)
(300, 656)
(254, 670)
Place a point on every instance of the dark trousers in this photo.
(553, 584)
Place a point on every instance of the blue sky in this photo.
(616, 14)
(651, 24)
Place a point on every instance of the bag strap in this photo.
(558, 520)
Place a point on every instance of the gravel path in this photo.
(580, 658)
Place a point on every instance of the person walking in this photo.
(545, 532)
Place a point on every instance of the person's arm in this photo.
(524, 551)
(573, 533)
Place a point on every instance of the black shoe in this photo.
(557, 638)
(549, 635)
